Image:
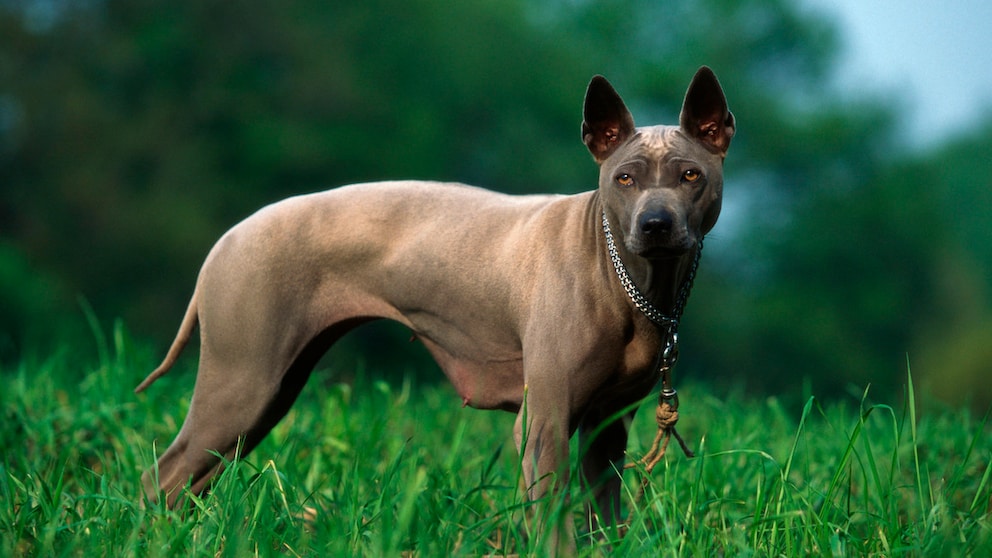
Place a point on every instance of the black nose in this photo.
(655, 223)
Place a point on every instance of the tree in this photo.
(132, 134)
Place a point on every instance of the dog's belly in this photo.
(496, 383)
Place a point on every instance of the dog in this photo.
(519, 299)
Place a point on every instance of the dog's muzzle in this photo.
(659, 234)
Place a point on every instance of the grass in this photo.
(368, 468)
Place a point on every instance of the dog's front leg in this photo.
(604, 444)
(542, 432)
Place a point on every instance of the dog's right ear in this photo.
(606, 122)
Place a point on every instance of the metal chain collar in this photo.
(668, 324)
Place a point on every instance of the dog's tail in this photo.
(182, 337)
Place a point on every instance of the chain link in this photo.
(668, 324)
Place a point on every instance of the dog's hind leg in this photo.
(233, 402)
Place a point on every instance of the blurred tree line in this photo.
(133, 133)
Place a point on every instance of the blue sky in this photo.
(937, 56)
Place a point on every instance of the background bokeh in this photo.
(133, 133)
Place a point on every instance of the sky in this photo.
(936, 55)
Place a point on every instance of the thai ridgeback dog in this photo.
(520, 299)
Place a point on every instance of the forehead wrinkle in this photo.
(655, 148)
(656, 141)
(671, 145)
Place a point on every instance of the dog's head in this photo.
(661, 185)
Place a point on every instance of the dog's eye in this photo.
(625, 180)
(691, 175)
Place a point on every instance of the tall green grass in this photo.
(368, 468)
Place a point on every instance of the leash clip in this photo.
(670, 354)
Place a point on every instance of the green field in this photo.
(368, 468)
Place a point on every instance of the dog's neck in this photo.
(664, 283)
(661, 281)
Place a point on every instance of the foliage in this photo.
(893, 263)
(373, 468)
(133, 133)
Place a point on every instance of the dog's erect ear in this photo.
(606, 122)
(704, 112)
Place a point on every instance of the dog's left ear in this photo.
(704, 112)
(606, 122)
